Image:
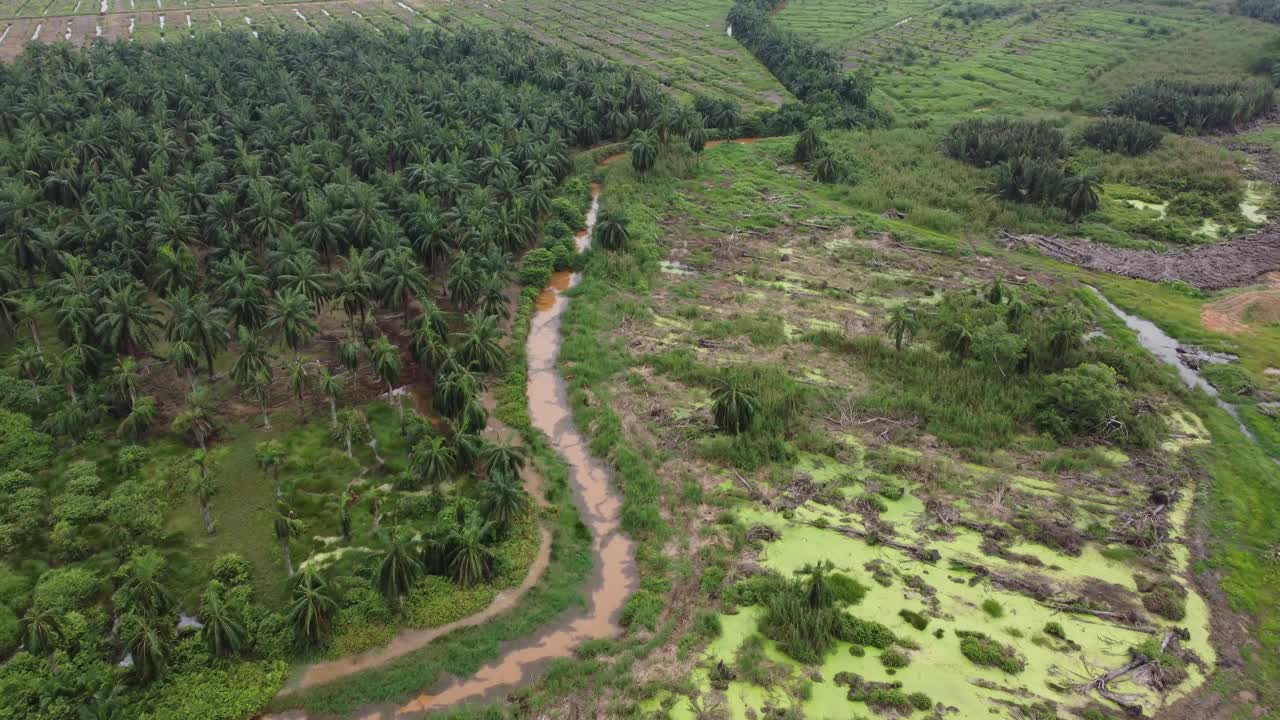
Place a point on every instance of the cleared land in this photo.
(928, 60)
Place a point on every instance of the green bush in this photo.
(707, 624)
(536, 268)
(1230, 379)
(1080, 400)
(846, 589)
(9, 634)
(895, 659)
(990, 141)
(1054, 629)
(1194, 106)
(992, 607)
(21, 446)
(642, 609)
(921, 701)
(1166, 598)
(982, 650)
(66, 589)
(1122, 135)
(867, 632)
(913, 618)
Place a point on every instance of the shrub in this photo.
(21, 446)
(892, 658)
(857, 650)
(1080, 400)
(707, 624)
(846, 589)
(231, 570)
(712, 580)
(867, 632)
(992, 607)
(914, 619)
(1122, 135)
(9, 634)
(642, 609)
(1054, 629)
(982, 650)
(66, 589)
(921, 701)
(1194, 106)
(1230, 379)
(535, 269)
(990, 141)
(1166, 598)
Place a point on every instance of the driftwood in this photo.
(919, 552)
(1209, 267)
(1129, 703)
(1117, 618)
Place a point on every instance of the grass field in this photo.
(1049, 56)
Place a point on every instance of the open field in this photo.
(1039, 56)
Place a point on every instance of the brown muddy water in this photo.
(599, 505)
(614, 575)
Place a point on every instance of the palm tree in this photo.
(38, 629)
(252, 370)
(398, 569)
(313, 607)
(197, 418)
(1066, 336)
(401, 280)
(697, 138)
(140, 418)
(287, 526)
(957, 339)
(734, 407)
(271, 456)
(194, 320)
(330, 385)
(145, 590)
(182, 356)
(433, 460)
(105, 704)
(28, 363)
(223, 629)
(479, 347)
(299, 378)
(26, 314)
(819, 594)
(124, 379)
(148, 640)
(471, 559)
(611, 230)
(503, 460)
(1080, 194)
(427, 348)
(127, 321)
(809, 144)
(644, 151)
(348, 424)
(386, 363)
(504, 501)
(902, 325)
(294, 319)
